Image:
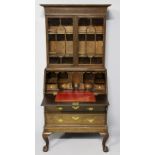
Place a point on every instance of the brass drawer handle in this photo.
(75, 107)
(75, 118)
(60, 120)
(90, 120)
(90, 108)
(60, 108)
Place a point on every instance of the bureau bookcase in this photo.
(75, 78)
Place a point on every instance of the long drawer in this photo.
(100, 106)
(91, 108)
(75, 119)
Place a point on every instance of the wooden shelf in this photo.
(52, 54)
(90, 56)
(56, 90)
(61, 67)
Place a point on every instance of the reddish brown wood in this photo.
(75, 48)
(105, 137)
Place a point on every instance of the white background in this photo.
(17, 94)
(112, 62)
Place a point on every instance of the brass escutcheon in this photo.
(60, 108)
(75, 118)
(90, 120)
(60, 120)
(75, 107)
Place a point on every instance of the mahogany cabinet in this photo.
(75, 79)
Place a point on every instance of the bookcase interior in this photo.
(87, 43)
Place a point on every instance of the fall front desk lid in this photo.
(75, 96)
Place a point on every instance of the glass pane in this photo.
(91, 36)
(60, 38)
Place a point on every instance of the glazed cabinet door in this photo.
(91, 42)
(60, 40)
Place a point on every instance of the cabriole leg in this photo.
(105, 138)
(45, 137)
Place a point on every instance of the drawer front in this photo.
(76, 108)
(75, 119)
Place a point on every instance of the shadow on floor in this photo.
(75, 136)
(58, 138)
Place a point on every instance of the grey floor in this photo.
(77, 144)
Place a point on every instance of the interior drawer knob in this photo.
(90, 108)
(54, 93)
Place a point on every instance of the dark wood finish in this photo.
(97, 83)
(75, 49)
(75, 41)
(84, 108)
(45, 137)
(105, 138)
(75, 9)
(76, 5)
